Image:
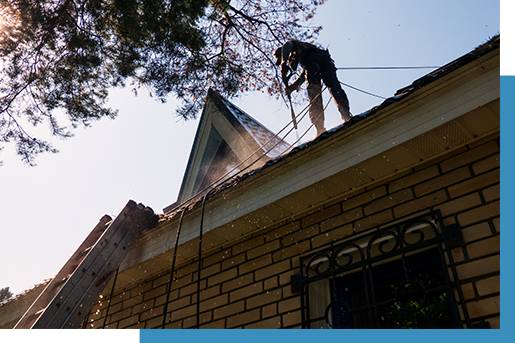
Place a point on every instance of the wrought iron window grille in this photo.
(401, 275)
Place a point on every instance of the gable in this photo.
(225, 138)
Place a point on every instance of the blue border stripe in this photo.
(507, 198)
(313, 336)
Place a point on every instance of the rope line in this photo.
(363, 91)
(214, 183)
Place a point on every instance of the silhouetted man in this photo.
(318, 65)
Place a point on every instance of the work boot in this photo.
(345, 113)
(320, 130)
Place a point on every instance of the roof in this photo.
(225, 137)
(483, 49)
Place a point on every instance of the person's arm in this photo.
(286, 71)
(287, 56)
(295, 85)
(285, 76)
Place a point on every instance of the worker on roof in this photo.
(318, 65)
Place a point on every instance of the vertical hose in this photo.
(172, 269)
(199, 265)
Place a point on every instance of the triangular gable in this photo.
(225, 137)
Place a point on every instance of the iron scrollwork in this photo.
(395, 276)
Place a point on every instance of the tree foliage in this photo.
(60, 58)
(5, 294)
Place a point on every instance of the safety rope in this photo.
(363, 91)
(380, 68)
(301, 115)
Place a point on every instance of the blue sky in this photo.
(46, 211)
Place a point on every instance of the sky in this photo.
(46, 211)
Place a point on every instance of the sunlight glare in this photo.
(9, 23)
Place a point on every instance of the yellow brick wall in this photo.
(248, 284)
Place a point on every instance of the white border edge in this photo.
(67, 336)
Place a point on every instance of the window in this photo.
(398, 276)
